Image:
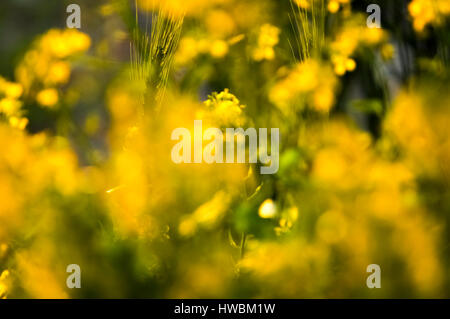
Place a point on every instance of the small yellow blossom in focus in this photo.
(225, 108)
(47, 97)
(267, 209)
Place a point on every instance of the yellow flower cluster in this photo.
(179, 7)
(225, 109)
(355, 186)
(352, 37)
(425, 12)
(312, 82)
(190, 48)
(335, 5)
(423, 133)
(37, 164)
(268, 38)
(45, 66)
(10, 105)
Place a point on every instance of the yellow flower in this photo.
(63, 43)
(225, 109)
(267, 209)
(219, 23)
(47, 97)
(9, 106)
(187, 51)
(19, 123)
(219, 49)
(333, 6)
(268, 38)
(10, 89)
(387, 51)
(425, 12)
(310, 79)
(58, 73)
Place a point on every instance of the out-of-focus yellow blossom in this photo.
(63, 43)
(343, 64)
(333, 6)
(422, 257)
(10, 106)
(341, 152)
(179, 7)
(287, 220)
(187, 51)
(425, 12)
(207, 215)
(422, 134)
(47, 97)
(305, 4)
(353, 35)
(219, 49)
(219, 23)
(3, 249)
(38, 276)
(309, 80)
(58, 73)
(267, 39)
(17, 122)
(45, 64)
(267, 209)
(387, 51)
(190, 48)
(10, 89)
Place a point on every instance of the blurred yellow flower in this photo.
(425, 12)
(267, 209)
(268, 38)
(58, 73)
(311, 80)
(219, 49)
(47, 97)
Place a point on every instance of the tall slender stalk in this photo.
(309, 28)
(152, 50)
